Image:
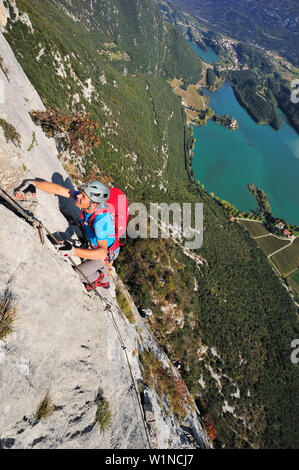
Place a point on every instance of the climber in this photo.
(99, 228)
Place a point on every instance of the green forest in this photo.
(247, 87)
(261, 89)
(232, 301)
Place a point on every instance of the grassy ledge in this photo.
(7, 313)
(124, 305)
(103, 413)
(45, 408)
(10, 133)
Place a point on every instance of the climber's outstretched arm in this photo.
(52, 188)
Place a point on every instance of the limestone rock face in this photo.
(66, 343)
(3, 16)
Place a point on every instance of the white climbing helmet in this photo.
(96, 191)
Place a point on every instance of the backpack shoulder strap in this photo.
(94, 215)
(97, 215)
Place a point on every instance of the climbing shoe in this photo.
(97, 283)
(105, 285)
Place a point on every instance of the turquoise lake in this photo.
(210, 57)
(225, 162)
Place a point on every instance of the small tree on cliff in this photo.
(76, 133)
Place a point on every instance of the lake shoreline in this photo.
(261, 142)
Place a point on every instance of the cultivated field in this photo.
(255, 229)
(293, 282)
(271, 244)
(190, 97)
(287, 261)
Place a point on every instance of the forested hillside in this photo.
(261, 89)
(269, 23)
(227, 316)
(136, 29)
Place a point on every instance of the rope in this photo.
(39, 225)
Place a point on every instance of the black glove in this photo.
(65, 249)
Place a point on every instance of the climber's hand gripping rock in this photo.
(27, 190)
(65, 249)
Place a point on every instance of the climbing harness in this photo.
(107, 306)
